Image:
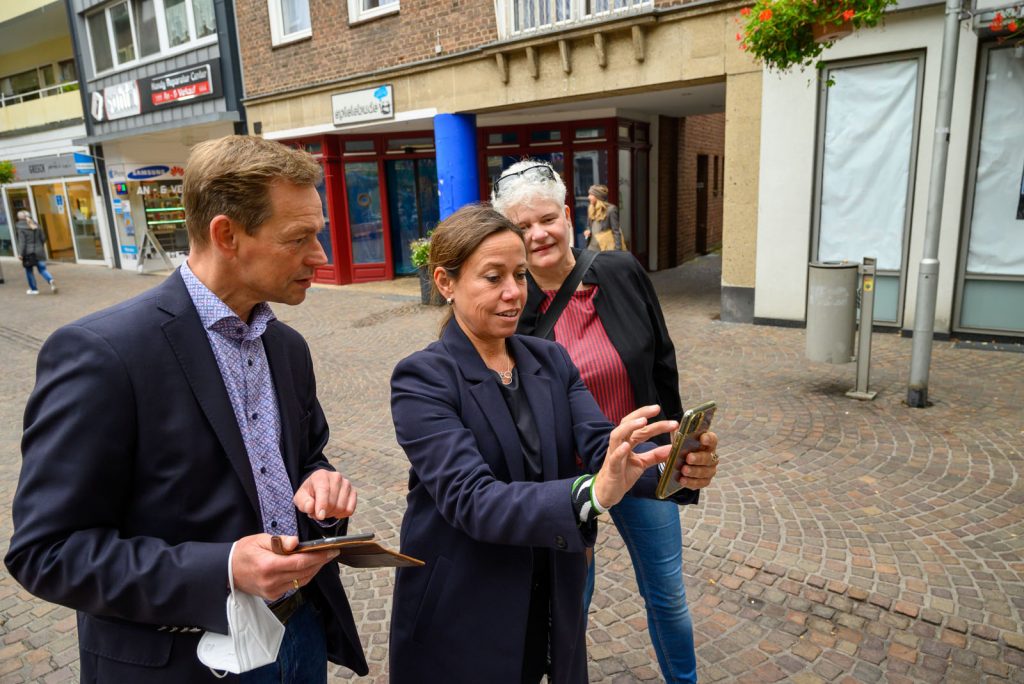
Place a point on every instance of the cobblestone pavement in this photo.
(842, 541)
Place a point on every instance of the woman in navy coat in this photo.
(492, 424)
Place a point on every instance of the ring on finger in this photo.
(295, 583)
(714, 457)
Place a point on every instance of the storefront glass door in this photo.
(51, 212)
(362, 188)
(6, 232)
(590, 167)
(17, 199)
(83, 221)
(412, 206)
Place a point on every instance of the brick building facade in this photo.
(635, 95)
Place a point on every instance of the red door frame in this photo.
(329, 150)
(566, 145)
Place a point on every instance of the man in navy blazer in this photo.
(181, 428)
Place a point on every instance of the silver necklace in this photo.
(506, 376)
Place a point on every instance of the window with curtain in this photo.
(125, 32)
(289, 20)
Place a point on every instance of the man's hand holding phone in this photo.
(701, 465)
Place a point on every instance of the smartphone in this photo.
(319, 544)
(694, 423)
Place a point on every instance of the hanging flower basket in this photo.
(782, 34)
(1008, 25)
(829, 33)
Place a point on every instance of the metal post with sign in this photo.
(864, 329)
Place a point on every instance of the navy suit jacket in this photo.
(472, 516)
(135, 482)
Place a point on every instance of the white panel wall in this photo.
(789, 117)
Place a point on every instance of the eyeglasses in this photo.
(539, 171)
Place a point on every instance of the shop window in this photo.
(289, 21)
(590, 134)
(502, 139)
(364, 10)
(545, 137)
(126, 32)
(410, 145)
(359, 147)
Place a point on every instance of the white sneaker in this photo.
(53, 286)
(31, 292)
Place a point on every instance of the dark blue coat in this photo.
(135, 483)
(473, 518)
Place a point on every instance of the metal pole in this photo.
(928, 275)
(864, 330)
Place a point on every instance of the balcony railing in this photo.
(517, 18)
(66, 87)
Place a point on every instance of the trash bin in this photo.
(831, 311)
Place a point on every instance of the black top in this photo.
(526, 426)
(535, 653)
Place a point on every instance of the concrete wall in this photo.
(46, 110)
(9, 9)
(40, 54)
(788, 123)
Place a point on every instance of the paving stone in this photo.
(861, 527)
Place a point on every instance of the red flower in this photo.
(1012, 26)
(848, 15)
(745, 11)
(997, 22)
(739, 36)
(765, 15)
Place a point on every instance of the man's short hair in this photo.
(232, 176)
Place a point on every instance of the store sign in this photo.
(132, 98)
(53, 167)
(148, 172)
(122, 100)
(118, 173)
(180, 87)
(372, 104)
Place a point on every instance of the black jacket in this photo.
(30, 240)
(631, 314)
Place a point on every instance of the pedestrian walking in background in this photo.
(613, 328)
(603, 232)
(32, 250)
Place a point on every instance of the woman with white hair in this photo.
(32, 252)
(607, 316)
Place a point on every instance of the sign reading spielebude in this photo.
(372, 104)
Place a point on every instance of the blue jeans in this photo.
(303, 655)
(654, 537)
(41, 265)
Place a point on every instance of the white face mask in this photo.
(254, 634)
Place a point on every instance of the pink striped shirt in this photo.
(580, 331)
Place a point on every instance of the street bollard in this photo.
(864, 330)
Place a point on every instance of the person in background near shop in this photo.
(603, 232)
(32, 251)
(614, 331)
(491, 423)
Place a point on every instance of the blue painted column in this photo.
(458, 183)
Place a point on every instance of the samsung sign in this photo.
(148, 172)
(372, 104)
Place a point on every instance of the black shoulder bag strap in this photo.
(547, 322)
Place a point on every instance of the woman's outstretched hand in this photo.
(622, 466)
